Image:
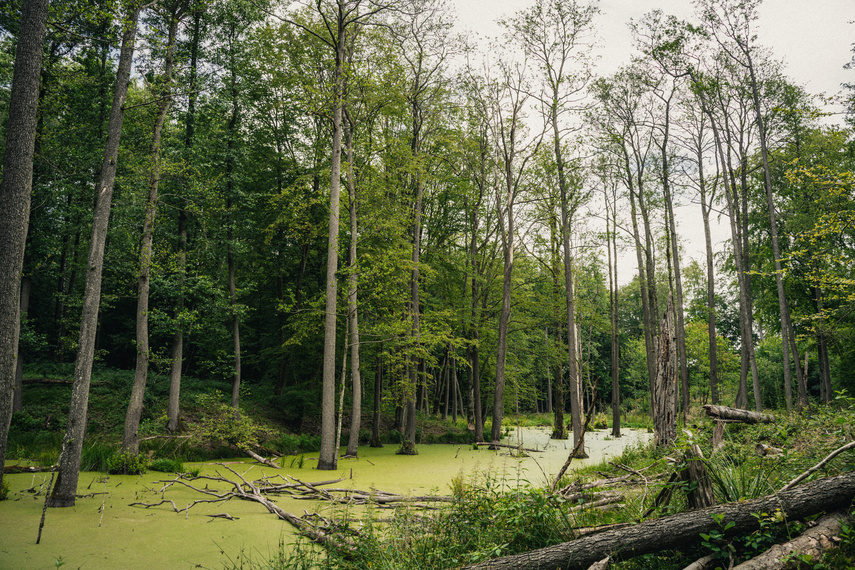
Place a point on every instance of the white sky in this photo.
(812, 37)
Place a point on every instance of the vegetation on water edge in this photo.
(492, 517)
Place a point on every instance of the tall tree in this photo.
(172, 12)
(425, 42)
(338, 18)
(15, 189)
(555, 34)
(65, 491)
(732, 25)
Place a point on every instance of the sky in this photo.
(814, 39)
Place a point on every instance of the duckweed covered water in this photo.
(134, 537)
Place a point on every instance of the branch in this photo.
(817, 467)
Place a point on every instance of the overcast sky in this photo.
(812, 37)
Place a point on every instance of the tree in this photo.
(15, 189)
(173, 12)
(338, 18)
(554, 34)
(731, 24)
(65, 491)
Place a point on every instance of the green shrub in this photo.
(223, 425)
(127, 464)
(4, 490)
(167, 465)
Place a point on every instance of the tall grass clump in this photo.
(96, 456)
(736, 479)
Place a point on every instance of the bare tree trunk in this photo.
(15, 190)
(130, 438)
(328, 458)
(611, 244)
(18, 396)
(177, 349)
(353, 321)
(711, 312)
(378, 397)
(65, 491)
(665, 388)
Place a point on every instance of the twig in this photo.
(223, 516)
(817, 467)
(103, 502)
(517, 447)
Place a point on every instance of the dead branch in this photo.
(261, 459)
(818, 466)
(223, 516)
(513, 447)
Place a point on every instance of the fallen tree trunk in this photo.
(682, 529)
(813, 542)
(737, 415)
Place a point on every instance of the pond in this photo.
(103, 531)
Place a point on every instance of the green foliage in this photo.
(292, 444)
(4, 490)
(223, 425)
(127, 464)
(167, 465)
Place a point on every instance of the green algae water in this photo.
(103, 531)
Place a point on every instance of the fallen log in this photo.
(683, 529)
(514, 447)
(737, 415)
(813, 542)
(261, 459)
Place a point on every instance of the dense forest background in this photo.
(345, 197)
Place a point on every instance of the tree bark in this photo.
(65, 491)
(813, 542)
(177, 349)
(735, 414)
(665, 387)
(683, 529)
(353, 321)
(130, 438)
(15, 190)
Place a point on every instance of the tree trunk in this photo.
(328, 458)
(813, 542)
(65, 491)
(665, 387)
(15, 190)
(353, 321)
(737, 415)
(130, 438)
(177, 349)
(507, 230)
(648, 318)
(378, 398)
(711, 312)
(611, 243)
(683, 529)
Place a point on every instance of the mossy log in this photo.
(737, 415)
(683, 529)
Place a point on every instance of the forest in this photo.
(351, 223)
